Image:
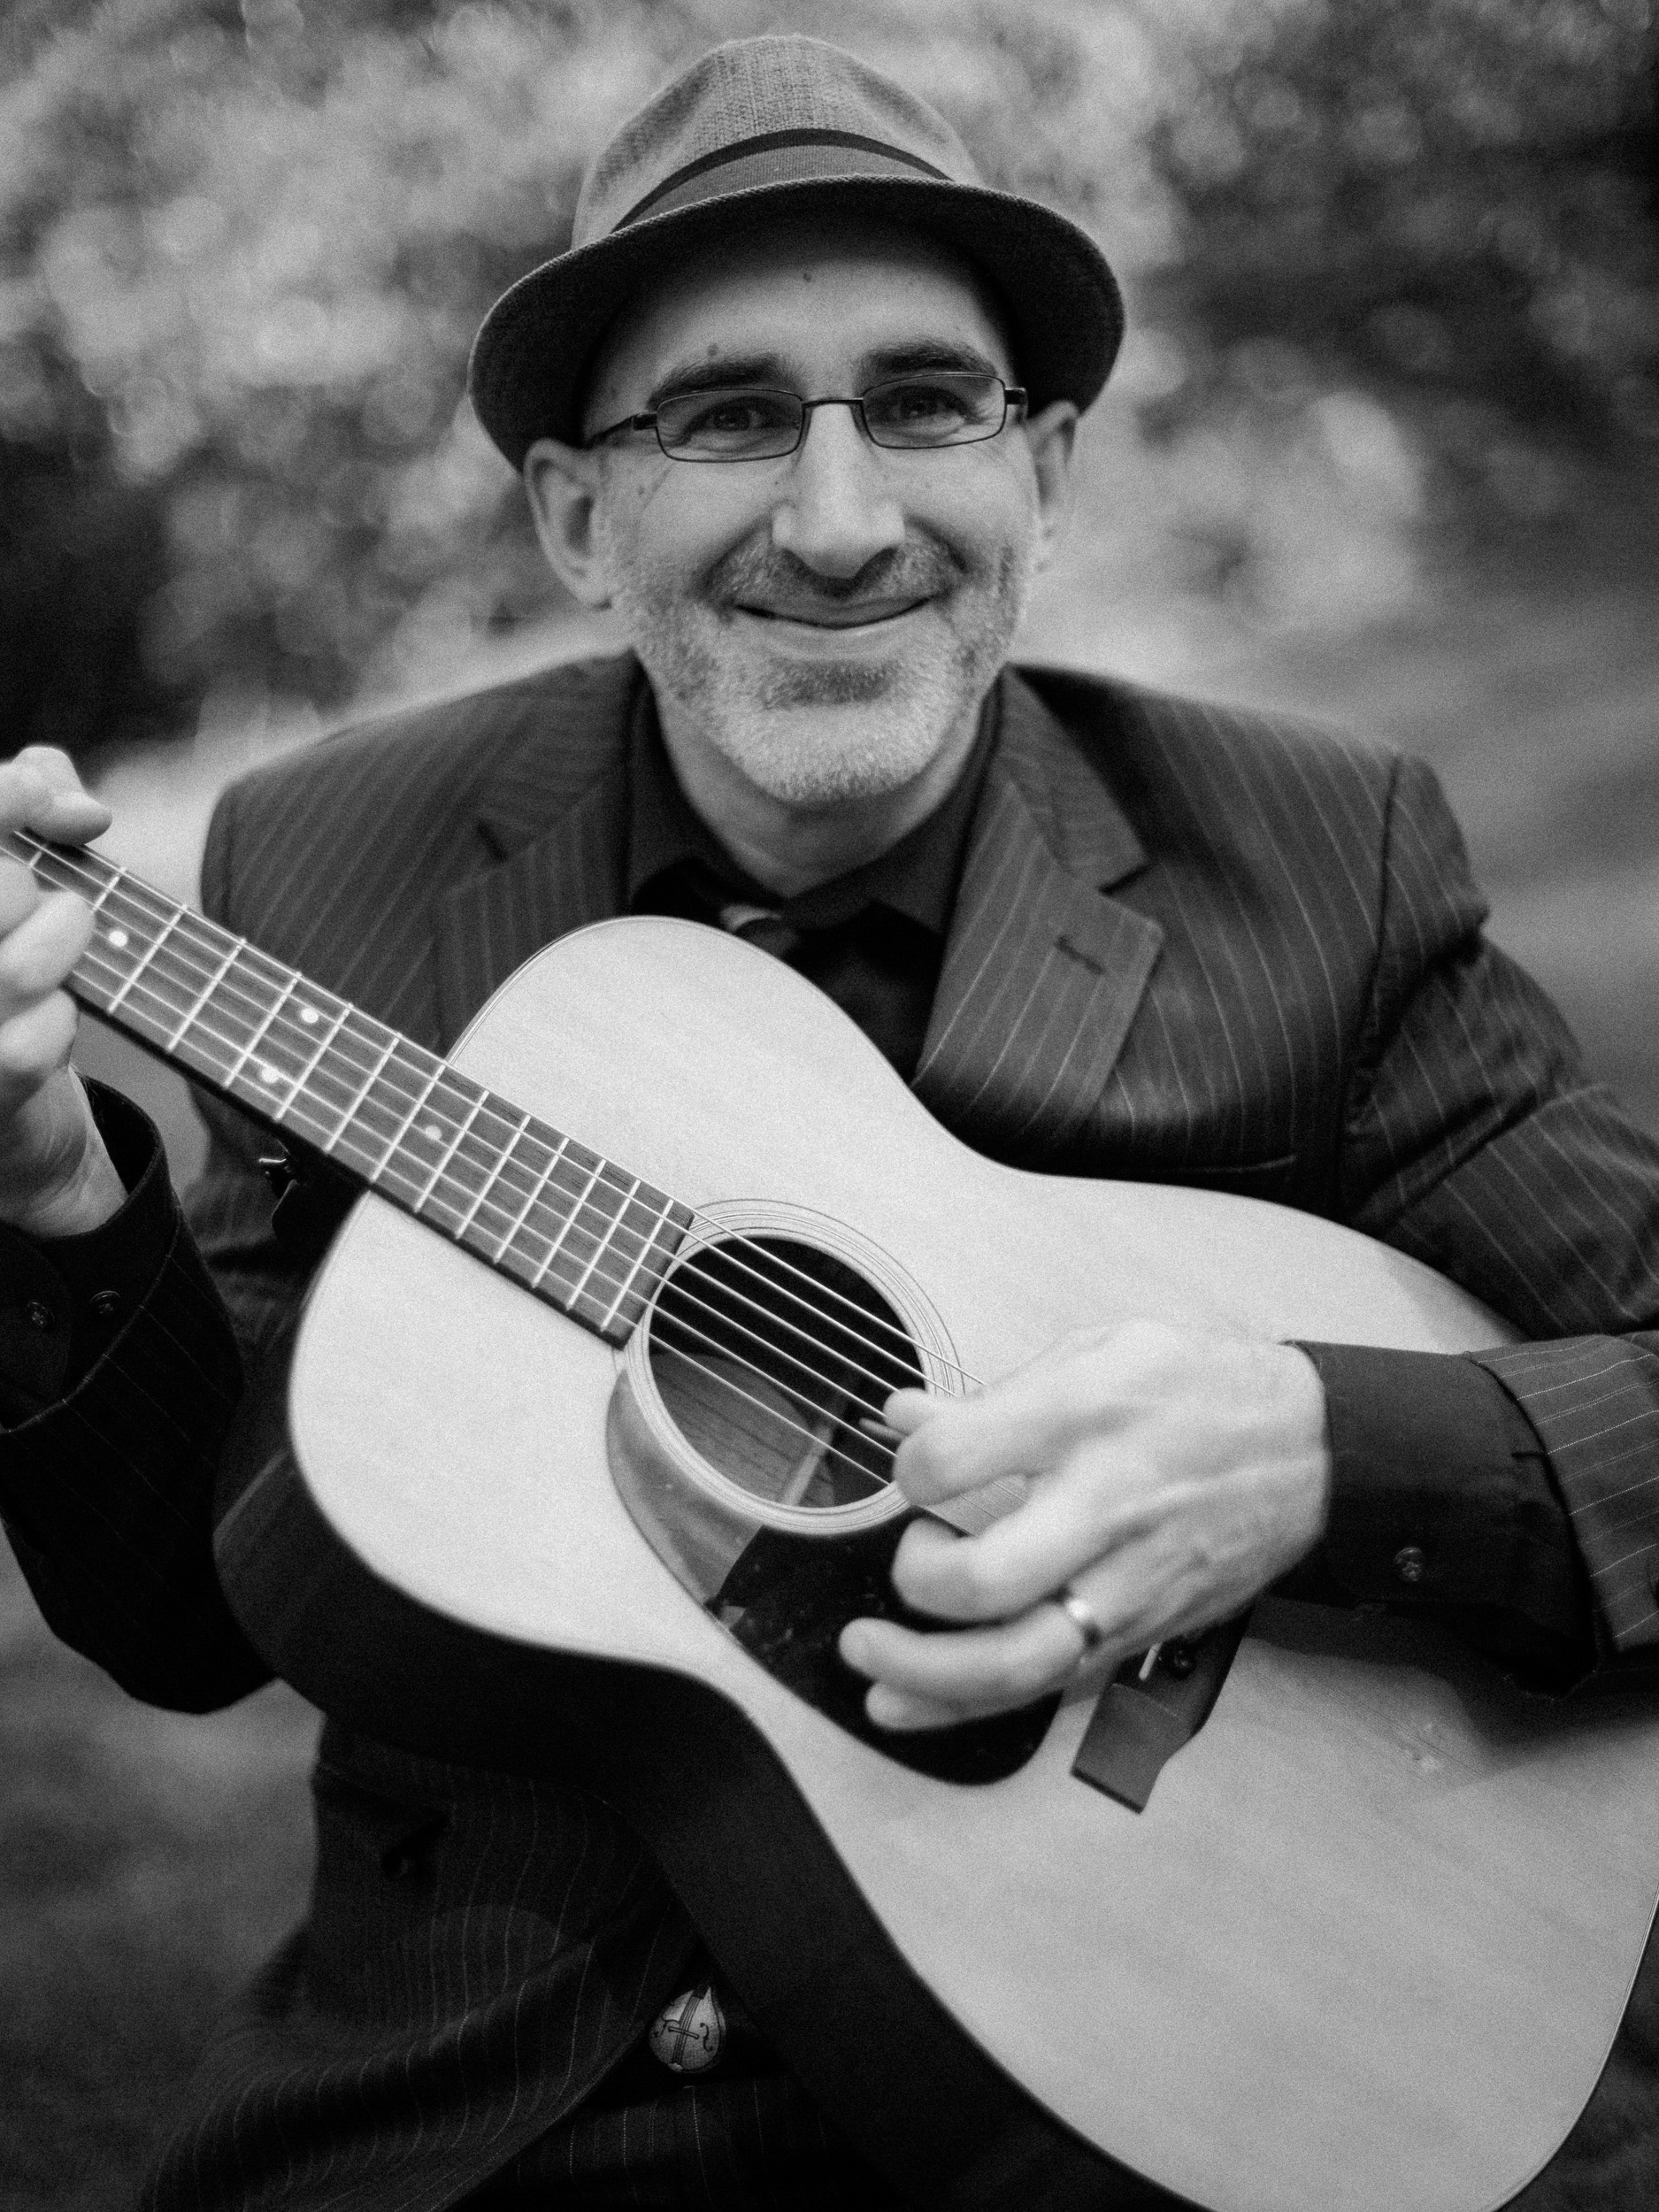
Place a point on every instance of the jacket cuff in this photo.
(1443, 1499)
(66, 1298)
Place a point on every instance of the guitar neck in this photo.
(570, 1225)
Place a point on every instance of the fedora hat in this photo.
(770, 127)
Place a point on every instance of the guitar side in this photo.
(1372, 1938)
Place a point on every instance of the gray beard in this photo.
(812, 735)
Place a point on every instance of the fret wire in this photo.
(404, 1127)
(38, 858)
(498, 1190)
(353, 1108)
(200, 937)
(301, 1085)
(489, 1182)
(646, 1251)
(501, 1172)
(153, 948)
(604, 1243)
(464, 1139)
(284, 994)
(536, 1189)
(556, 1244)
(488, 1195)
(452, 1147)
(202, 997)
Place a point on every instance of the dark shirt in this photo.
(872, 940)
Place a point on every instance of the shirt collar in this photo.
(917, 878)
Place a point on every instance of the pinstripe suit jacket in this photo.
(1189, 946)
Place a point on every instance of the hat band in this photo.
(779, 158)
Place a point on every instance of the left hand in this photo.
(1171, 1477)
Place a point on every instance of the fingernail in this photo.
(855, 1648)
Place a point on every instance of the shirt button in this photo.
(38, 1316)
(1410, 1564)
(105, 1304)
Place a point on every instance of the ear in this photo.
(1052, 438)
(562, 483)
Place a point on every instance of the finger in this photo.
(33, 1045)
(969, 1670)
(40, 790)
(905, 1410)
(1082, 1510)
(37, 955)
(20, 894)
(1016, 1426)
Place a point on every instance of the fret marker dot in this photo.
(119, 939)
(432, 1130)
(270, 1076)
(310, 1016)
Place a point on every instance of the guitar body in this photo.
(1368, 1941)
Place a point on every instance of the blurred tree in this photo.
(245, 245)
(1453, 204)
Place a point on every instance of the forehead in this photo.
(814, 300)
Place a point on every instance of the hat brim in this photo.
(529, 360)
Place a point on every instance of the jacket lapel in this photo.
(1042, 973)
(555, 816)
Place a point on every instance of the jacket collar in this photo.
(1042, 971)
(554, 814)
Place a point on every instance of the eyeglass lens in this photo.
(754, 423)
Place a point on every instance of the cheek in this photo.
(661, 541)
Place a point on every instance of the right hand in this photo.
(55, 1176)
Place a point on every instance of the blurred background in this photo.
(1382, 448)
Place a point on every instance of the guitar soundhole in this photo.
(768, 1355)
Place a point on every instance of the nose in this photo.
(837, 510)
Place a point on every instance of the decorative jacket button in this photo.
(105, 1304)
(38, 1315)
(689, 2034)
(1410, 1564)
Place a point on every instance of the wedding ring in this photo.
(1076, 1611)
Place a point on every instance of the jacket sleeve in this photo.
(110, 1449)
(1474, 1140)
(112, 1432)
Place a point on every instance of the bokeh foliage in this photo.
(244, 249)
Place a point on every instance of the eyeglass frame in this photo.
(1016, 396)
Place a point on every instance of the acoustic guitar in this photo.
(1321, 1917)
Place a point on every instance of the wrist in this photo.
(85, 1191)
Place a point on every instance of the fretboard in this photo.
(570, 1225)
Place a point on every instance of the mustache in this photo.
(759, 570)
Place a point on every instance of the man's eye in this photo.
(920, 406)
(731, 415)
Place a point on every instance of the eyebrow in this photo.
(770, 368)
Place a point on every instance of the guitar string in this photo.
(770, 1413)
(682, 1292)
(130, 886)
(830, 1383)
(728, 1243)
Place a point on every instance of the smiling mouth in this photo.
(859, 616)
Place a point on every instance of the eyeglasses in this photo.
(751, 422)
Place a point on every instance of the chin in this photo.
(820, 754)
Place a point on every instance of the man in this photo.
(799, 403)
